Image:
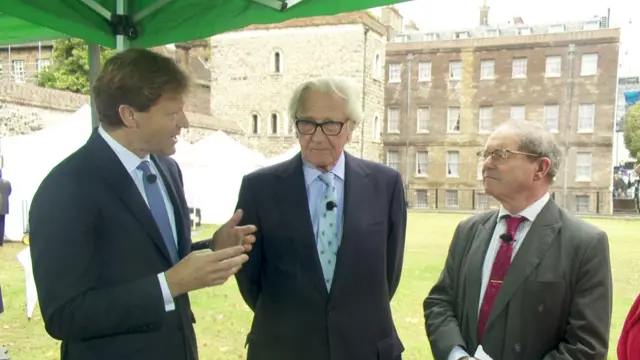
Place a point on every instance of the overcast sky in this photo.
(456, 14)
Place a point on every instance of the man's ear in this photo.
(127, 115)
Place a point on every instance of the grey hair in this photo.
(344, 87)
(536, 139)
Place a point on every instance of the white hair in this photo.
(344, 87)
(536, 139)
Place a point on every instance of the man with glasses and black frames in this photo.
(330, 240)
(528, 281)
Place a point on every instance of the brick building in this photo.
(255, 70)
(446, 91)
(21, 63)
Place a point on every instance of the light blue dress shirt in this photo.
(315, 191)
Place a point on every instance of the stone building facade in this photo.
(255, 70)
(446, 92)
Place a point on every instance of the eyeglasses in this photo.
(330, 128)
(500, 155)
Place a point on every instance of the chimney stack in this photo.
(484, 14)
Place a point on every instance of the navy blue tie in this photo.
(159, 209)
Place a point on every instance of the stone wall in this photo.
(48, 106)
(244, 83)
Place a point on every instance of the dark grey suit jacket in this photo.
(555, 302)
(295, 317)
(5, 191)
(96, 254)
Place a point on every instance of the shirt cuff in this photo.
(457, 353)
(169, 305)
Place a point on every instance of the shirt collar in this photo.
(128, 159)
(311, 173)
(530, 212)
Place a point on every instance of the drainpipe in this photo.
(567, 126)
(364, 90)
(407, 123)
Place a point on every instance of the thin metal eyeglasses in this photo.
(500, 155)
(330, 128)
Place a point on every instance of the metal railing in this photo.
(578, 201)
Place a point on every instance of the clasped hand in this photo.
(203, 268)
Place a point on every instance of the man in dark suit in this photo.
(5, 192)
(110, 238)
(528, 281)
(330, 240)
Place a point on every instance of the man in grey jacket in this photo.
(5, 191)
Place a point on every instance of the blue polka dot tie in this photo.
(328, 236)
(498, 272)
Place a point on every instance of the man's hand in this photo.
(230, 234)
(204, 268)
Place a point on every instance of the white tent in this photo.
(29, 158)
(213, 175)
(284, 156)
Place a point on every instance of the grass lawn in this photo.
(223, 320)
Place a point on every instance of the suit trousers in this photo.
(2, 217)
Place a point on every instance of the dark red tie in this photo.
(498, 272)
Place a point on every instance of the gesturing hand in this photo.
(230, 234)
(204, 268)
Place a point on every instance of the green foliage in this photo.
(70, 66)
(632, 131)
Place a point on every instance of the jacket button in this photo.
(540, 308)
(516, 347)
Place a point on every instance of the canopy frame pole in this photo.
(280, 5)
(95, 6)
(94, 71)
(123, 25)
(159, 4)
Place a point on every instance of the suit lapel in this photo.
(116, 177)
(181, 228)
(541, 235)
(473, 271)
(357, 192)
(293, 205)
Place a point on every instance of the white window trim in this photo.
(493, 73)
(421, 78)
(593, 120)
(418, 112)
(389, 109)
(417, 174)
(449, 131)
(513, 67)
(544, 115)
(397, 153)
(446, 170)
(451, 78)
(582, 68)
(547, 74)
(399, 79)
(578, 177)
(480, 129)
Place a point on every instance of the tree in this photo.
(70, 68)
(632, 130)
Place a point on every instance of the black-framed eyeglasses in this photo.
(500, 155)
(330, 128)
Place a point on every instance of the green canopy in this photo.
(154, 22)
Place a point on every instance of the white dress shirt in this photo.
(530, 214)
(130, 161)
